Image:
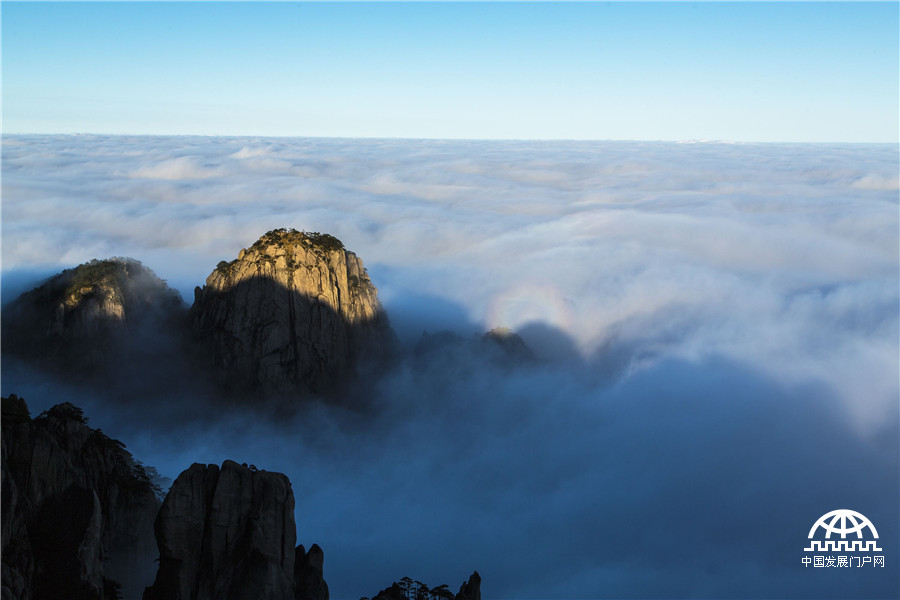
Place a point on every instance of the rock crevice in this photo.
(226, 533)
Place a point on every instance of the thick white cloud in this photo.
(727, 312)
(768, 254)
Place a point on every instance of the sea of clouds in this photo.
(718, 325)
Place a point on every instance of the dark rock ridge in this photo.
(78, 520)
(79, 517)
(295, 311)
(228, 533)
(471, 589)
(78, 510)
(407, 589)
(508, 348)
(500, 347)
(85, 317)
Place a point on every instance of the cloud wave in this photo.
(719, 324)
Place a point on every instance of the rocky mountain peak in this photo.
(508, 345)
(313, 264)
(294, 311)
(105, 293)
(77, 317)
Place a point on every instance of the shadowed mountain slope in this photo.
(94, 316)
(78, 510)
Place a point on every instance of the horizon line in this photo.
(446, 139)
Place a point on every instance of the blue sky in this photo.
(809, 72)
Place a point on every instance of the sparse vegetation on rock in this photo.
(409, 589)
(283, 238)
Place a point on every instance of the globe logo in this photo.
(843, 523)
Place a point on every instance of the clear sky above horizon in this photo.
(796, 72)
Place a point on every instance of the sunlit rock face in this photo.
(294, 312)
(226, 533)
(84, 317)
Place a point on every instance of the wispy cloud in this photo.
(176, 169)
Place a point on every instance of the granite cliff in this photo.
(78, 510)
(228, 533)
(293, 312)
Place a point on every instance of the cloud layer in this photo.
(719, 323)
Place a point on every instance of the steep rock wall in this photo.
(295, 311)
(78, 511)
(226, 533)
